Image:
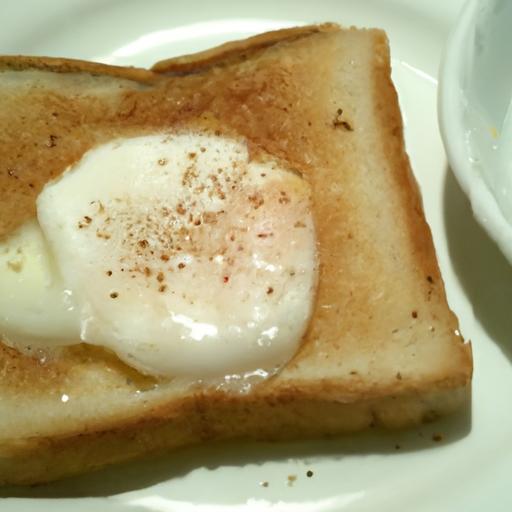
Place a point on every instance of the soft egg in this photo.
(180, 254)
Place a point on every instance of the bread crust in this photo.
(236, 51)
(59, 65)
(205, 418)
(256, 88)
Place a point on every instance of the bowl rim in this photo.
(452, 105)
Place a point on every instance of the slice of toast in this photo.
(382, 347)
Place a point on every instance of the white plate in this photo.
(469, 469)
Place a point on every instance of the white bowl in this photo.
(475, 92)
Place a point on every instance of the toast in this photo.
(382, 347)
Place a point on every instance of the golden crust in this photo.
(260, 94)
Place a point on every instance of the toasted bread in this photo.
(382, 347)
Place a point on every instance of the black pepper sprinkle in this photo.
(414, 314)
(430, 279)
(109, 273)
(437, 438)
(309, 473)
(338, 121)
(270, 290)
(114, 295)
(181, 265)
(51, 141)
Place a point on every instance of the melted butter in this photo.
(34, 304)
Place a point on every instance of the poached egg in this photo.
(177, 252)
